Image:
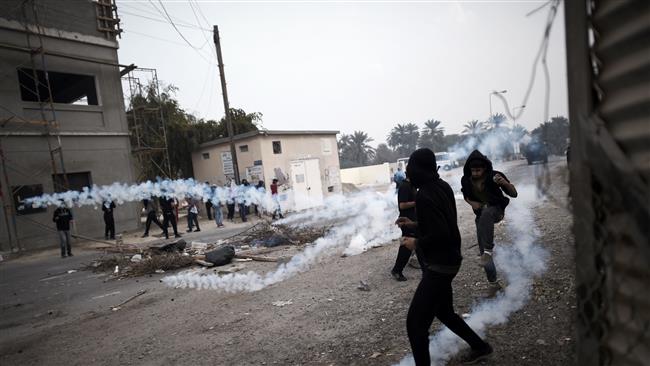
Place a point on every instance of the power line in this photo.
(174, 25)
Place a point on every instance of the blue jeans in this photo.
(64, 242)
(218, 215)
(485, 220)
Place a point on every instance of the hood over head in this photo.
(422, 167)
(476, 156)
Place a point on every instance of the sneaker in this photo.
(177, 236)
(486, 258)
(70, 255)
(493, 289)
(398, 276)
(188, 230)
(63, 255)
(144, 235)
(477, 355)
(197, 230)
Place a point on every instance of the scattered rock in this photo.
(363, 286)
(375, 355)
(282, 303)
(72, 271)
(160, 271)
(136, 258)
(541, 342)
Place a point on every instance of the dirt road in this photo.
(67, 320)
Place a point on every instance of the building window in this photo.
(206, 155)
(65, 88)
(243, 148)
(21, 193)
(277, 147)
(76, 181)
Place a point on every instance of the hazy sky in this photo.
(350, 65)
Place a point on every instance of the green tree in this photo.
(432, 136)
(473, 128)
(184, 131)
(354, 149)
(554, 133)
(403, 138)
(496, 121)
(384, 154)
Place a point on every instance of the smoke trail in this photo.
(180, 188)
(361, 221)
(519, 262)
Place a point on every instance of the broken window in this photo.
(243, 148)
(277, 147)
(206, 155)
(65, 88)
(76, 181)
(21, 193)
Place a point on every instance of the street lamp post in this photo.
(514, 115)
(490, 96)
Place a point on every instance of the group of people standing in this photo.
(428, 220)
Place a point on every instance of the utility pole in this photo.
(233, 152)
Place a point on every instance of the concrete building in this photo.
(61, 107)
(306, 162)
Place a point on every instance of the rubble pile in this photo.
(246, 246)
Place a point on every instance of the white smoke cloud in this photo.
(180, 189)
(519, 262)
(360, 221)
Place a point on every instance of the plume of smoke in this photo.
(519, 262)
(360, 221)
(180, 188)
(496, 143)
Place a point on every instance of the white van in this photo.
(446, 160)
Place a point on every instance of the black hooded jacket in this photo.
(494, 193)
(438, 243)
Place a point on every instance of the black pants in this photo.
(403, 256)
(169, 218)
(208, 209)
(151, 217)
(231, 211)
(109, 230)
(192, 219)
(434, 298)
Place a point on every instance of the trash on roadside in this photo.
(363, 286)
(136, 258)
(282, 303)
(233, 269)
(160, 271)
(221, 256)
(72, 271)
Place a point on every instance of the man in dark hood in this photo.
(438, 247)
(483, 189)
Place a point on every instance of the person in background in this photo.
(109, 220)
(152, 216)
(243, 207)
(63, 217)
(230, 204)
(260, 188)
(277, 211)
(399, 176)
(168, 206)
(192, 214)
(406, 203)
(438, 247)
(208, 204)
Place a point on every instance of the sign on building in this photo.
(255, 173)
(226, 160)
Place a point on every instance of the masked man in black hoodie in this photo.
(483, 189)
(438, 247)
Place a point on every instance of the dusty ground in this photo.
(49, 316)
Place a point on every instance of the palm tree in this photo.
(432, 135)
(496, 120)
(404, 138)
(473, 128)
(362, 153)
